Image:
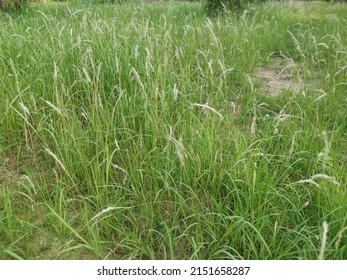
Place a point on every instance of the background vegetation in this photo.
(146, 132)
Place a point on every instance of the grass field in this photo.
(150, 131)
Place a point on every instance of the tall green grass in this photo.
(140, 132)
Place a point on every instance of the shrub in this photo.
(218, 6)
(8, 5)
(106, 1)
(213, 7)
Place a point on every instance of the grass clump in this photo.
(148, 132)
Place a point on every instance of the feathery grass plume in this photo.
(306, 181)
(55, 108)
(58, 161)
(206, 106)
(117, 167)
(292, 146)
(214, 37)
(32, 185)
(136, 52)
(24, 117)
(317, 176)
(324, 240)
(254, 119)
(24, 108)
(175, 92)
(33, 101)
(26, 121)
(344, 68)
(86, 74)
(297, 44)
(55, 73)
(169, 138)
(43, 14)
(326, 177)
(180, 150)
(148, 63)
(138, 78)
(324, 155)
(324, 94)
(108, 209)
(233, 107)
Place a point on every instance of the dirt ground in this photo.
(280, 74)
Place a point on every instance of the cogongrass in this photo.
(141, 132)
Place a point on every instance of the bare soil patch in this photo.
(281, 74)
(9, 169)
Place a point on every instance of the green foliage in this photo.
(219, 6)
(213, 7)
(12, 5)
(107, 1)
(144, 132)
